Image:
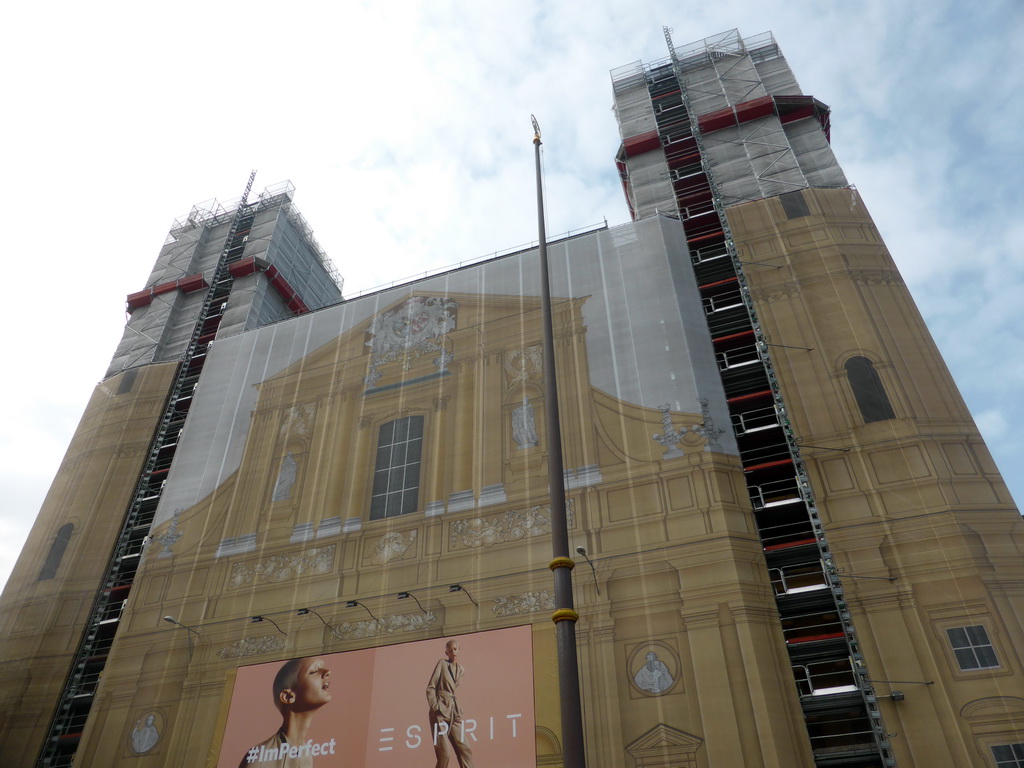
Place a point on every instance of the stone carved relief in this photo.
(510, 525)
(670, 436)
(779, 292)
(653, 669)
(876, 277)
(392, 546)
(285, 478)
(311, 562)
(653, 676)
(251, 646)
(298, 420)
(528, 602)
(411, 330)
(131, 449)
(389, 625)
(707, 428)
(145, 733)
(522, 365)
(172, 535)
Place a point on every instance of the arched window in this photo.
(396, 476)
(868, 390)
(56, 553)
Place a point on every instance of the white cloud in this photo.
(405, 128)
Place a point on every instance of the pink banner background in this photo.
(385, 688)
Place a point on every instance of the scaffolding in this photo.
(212, 213)
(79, 690)
(726, 83)
(761, 136)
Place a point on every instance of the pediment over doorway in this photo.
(665, 747)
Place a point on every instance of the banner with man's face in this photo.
(371, 708)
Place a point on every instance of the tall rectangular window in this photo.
(1009, 755)
(972, 648)
(868, 390)
(396, 476)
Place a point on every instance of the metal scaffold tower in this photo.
(839, 704)
(79, 691)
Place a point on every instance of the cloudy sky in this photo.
(405, 127)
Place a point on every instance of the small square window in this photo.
(972, 648)
(1009, 755)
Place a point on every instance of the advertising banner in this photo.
(464, 700)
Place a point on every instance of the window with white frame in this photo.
(972, 648)
(1009, 755)
(396, 475)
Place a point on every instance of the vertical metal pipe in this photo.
(565, 617)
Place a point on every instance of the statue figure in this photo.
(145, 737)
(653, 676)
(524, 426)
(285, 478)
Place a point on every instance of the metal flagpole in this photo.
(565, 617)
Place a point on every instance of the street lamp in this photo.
(565, 617)
(191, 645)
